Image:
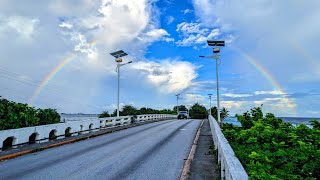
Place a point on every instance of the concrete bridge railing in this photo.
(231, 168)
(72, 127)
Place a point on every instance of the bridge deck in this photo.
(151, 151)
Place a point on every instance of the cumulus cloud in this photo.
(191, 98)
(196, 34)
(273, 92)
(23, 26)
(77, 45)
(187, 11)
(65, 25)
(168, 76)
(233, 95)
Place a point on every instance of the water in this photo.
(293, 120)
(77, 117)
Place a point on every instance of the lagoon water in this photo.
(293, 120)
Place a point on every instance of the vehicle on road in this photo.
(183, 115)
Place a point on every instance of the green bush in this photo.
(198, 111)
(17, 115)
(269, 148)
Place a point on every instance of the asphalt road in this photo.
(151, 151)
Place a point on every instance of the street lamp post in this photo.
(210, 95)
(216, 51)
(118, 55)
(177, 103)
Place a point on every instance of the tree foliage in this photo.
(269, 148)
(128, 110)
(224, 113)
(104, 114)
(17, 115)
(198, 111)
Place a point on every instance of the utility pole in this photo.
(177, 103)
(210, 95)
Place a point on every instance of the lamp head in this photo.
(216, 50)
(118, 60)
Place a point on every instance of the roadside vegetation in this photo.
(131, 110)
(224, 113)
(17, 115)
(198, 111)
(269, 148)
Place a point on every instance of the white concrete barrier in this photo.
(71, 127)
(231, 168)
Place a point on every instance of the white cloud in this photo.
(25, 27)
(168, 76)
(170, 19)
(77, 46)
(195, 34)
(190, 28)
(190, 98)
(232, 95)
(278, 106)
(273, 92)
(155, 34)
(187, 11)
(65, 25)
(261, 23)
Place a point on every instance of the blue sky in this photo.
(56, 54)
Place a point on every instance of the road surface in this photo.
(150, 151)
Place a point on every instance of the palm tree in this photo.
(224, 113)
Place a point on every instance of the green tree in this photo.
(198, 111)
(129, 110)
(104, 114)
(224, 113)
(269, 148)
(315, 124)
(48, 116)
(18, 115)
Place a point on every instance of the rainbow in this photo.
(307, 56)
(272, 81)
(47, 79)
(54, 71)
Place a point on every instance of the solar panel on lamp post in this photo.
(216, 51)
(118, 55)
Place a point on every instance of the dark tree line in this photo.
(131, 110)
(196, 111)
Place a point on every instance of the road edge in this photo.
(187, 163)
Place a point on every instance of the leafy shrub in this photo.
(198, 111)
(17, 115)
(269, 148)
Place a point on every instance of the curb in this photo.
(187, 163)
